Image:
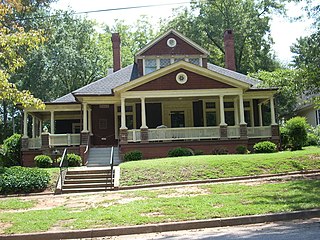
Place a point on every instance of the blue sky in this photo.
(283, 31)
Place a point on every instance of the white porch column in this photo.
(33, 126)
(236, 111)
(85, 117)
(123, 114)
(242, 121)
(40, 127)
(251, 113)
(273, 116)
(222, 114)
(260, 114)
(52, 122)
(143, 113)
(25, 124)
(90, 120)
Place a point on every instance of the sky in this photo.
(283, 31)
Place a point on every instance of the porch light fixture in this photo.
(171, 42)
(181, 78)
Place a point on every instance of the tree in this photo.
(206, 22)
(289, 89)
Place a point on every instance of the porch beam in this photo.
(242, 121)
(25, 124)
(222, 116)
(52, 122)
(85, 117)
(260, 114)
(273, 116)
(123, 114)
(143, 113)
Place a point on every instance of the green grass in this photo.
(217, 166)
(14, 204)
(218, 200)
(54, 174)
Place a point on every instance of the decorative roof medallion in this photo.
(181, 78)
(171, 42)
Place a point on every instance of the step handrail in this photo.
(111, 163)
(63, 166)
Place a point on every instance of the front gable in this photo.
(169, 82)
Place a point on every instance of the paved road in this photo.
(293, 230)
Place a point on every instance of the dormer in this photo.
(167, 49)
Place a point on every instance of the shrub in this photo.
(241, 149)
(220, 151)
(23, 180)
(312, 140)
(11, 150)
(179, 152)
(297, 132)
(198, 152)
(284, 139)
(265, 147)
(43, 161)
(74, 160)
(133, 156)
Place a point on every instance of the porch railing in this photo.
(259, 132)
(233, 131)
(34, 143)
(134, 135)
(64, 139)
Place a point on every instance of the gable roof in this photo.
(68, 98)
(193, 44)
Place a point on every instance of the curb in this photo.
(217, 180)
(165, 227)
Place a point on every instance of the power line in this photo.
(105, 10)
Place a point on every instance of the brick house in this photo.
(170, 97)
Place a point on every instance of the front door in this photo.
(177, 119)
(103, 128)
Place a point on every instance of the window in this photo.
(195, 61)
(165, 62)
(150, 65)
(229, 113)
(177, 119)
(211, 114)
(318, 117)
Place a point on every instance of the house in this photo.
(170, 97)
(310, 112)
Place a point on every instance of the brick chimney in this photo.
(116, 51)
(230, 60)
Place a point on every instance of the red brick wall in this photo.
(28, 156)
(168, 82)
(161, 48)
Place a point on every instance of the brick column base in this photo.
(84, 138)
(243, 131)
(275, 132)
(144, 135)
(45, 144)
(223, 131)
(123, 136)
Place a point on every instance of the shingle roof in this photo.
(68, 98)
(105, 85)
(233, 74)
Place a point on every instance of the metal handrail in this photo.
(63, 166)
(111, 164)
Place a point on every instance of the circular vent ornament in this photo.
(181, 78)
(171, 42)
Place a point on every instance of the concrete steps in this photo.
(88, 180)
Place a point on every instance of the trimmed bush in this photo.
(241, 149)
(11, 150)
(297, 128)
(133, 156)
(265, 147)
(74, 160)
(23, 180)
(43, 161)
(180, 152)
(312, 140)
(284, 139)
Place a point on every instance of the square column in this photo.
(222, 115)
(144, 127)
(260, 114)
(123, 114)
(25, 124)
(273, 115)
(85, 117)
(242, 121)
(33, 126)
(52, 122)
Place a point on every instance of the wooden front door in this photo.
(103, 127)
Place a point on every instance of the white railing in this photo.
(34, 143)
(64, 139)
(259, 132)
(233, 131)
(183, 133)
(134, 135)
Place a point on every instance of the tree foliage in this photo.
(206, 22)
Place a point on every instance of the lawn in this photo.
(162, 205)
(217, 166)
